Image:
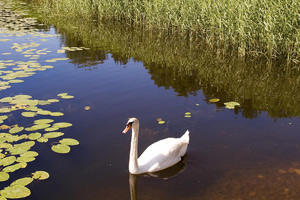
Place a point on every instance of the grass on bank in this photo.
(259, 27)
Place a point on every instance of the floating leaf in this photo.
(12, 168)
(15, 192)
(44, 112)
(34, 136)
(67, 97)
(53, 134)
(214, 100)
(5, 110)
(161, 122)
(6, 99)
(53, 100)
(29, 114)
(40, 175)
(51, 129)
(29, 154)
(8, 160)
(25, 159)
(61, 148)
(43, 121)
(42, 140)
(62, 124)
(231, 105)
(22, 181)
(3, 117)
(69, 141)
(87, 108)
(16, 129)
(62, 94)
(40, 126)
(4, 176)
(57, 114)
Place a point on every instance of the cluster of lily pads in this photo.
(229, 105)
(16, 141)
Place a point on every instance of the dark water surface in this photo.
(251, 152)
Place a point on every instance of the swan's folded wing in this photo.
(162, 154)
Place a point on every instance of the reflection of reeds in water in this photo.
(178, 63)
(250, 26)
(164, 174)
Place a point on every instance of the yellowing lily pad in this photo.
(22, 181)
(214, 100)
(62, 94)
(42, 139)
(4, 176)
(16, 130)
(34, 136)
(8, 160)
(61, 148)
(67, 97)
(69, 141)
(53, 134)
(161, 122)
(62, 125)
(15, 192)
(40, 175)
(57, 114)
(29, 114)
(43, 121)
(231, 104)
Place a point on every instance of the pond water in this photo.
(250, 152)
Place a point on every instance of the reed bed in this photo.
(257, 27)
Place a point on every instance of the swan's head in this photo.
(132, 122)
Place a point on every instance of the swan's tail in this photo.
(186, 136)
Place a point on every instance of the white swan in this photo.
(158, 156)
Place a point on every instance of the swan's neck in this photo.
(133, 157)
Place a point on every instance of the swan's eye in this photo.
(128, 126)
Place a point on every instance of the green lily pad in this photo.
(53, 134)
(4, 176)
(69, 141)
(62, 94)
(40, 175)
(25, 159)
(3, 117)
(40, 126)
(8, 160)
(29, 114)
(214, 100)
(53, 100)
(67, 97)
(43, 121)
(161, 122)
(6, 99)
(62, 124)
(15, 192)
(16, 130)
(61, 148)
(5, 145)
(22, 96)
(12, 138)
(231, 104)
(42, 139)
(12, 168)
(29, 154)
(57, 114)
(44, 112)
(22, 181)
(51, 129)
(34, 136)
(5, 110)
(16, 81)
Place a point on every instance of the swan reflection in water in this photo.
(164, 174)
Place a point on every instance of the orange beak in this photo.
(127, 128)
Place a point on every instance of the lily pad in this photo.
(12, 168)
(67, 97)
(40, 126)
(29, 154)
(53, 134)
(69, 141)
(8, 160)
(44, 112)
(51, 129)
(29, 114)
(22, 181)
(43, 121)
(231, 104)
(62, 125)
(57, 114)
(40, 175)
(42, 139)
(214, 100)
(61, 148)
(5, 110)
(15, 192)
(34, 136)
(16, 130)
(161, 122)
(4, 176)
(25, 159)
(62, 94)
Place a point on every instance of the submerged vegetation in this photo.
(256, 27)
